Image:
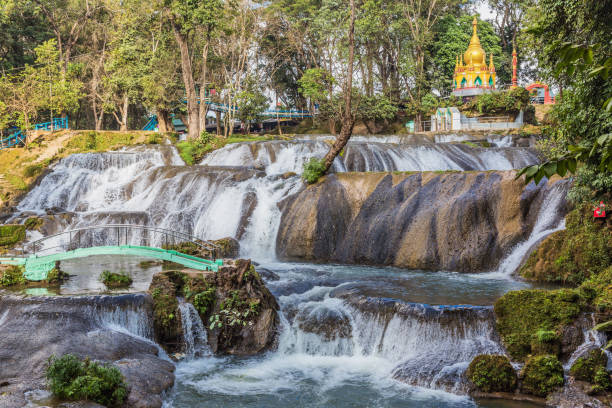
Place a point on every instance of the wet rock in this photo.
(330, 324)
(574, 394)
(457, 221)
(227, 248)
(268, 274)
(34, 328)
(235, 298)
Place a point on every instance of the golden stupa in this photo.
(472, 75)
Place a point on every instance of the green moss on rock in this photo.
(492, 373)
(573, 255)
(585, 368)
(541, 375)
(522, 314)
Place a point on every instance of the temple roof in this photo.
(475, 55)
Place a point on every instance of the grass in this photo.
(115, 280)
(11, 235)
(70, 378)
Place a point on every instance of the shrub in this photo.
(492, 373)
(601, 379)
(542, 375)
(56, 275)
(585, 368)
(521, 314)
(313, 170)
(11, 234)
(70, 378)
(12, 275)
(115, 280)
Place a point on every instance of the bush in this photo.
(115, 280)
(585, 368)
(601, 379)
(521, 314)
(542, 375)
(12, 275)
(314, 169)
(11, 235)
(492, 373)
(33, 170)
(56, 275)
(70, 378)
(508, 102)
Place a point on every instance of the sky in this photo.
(484, 10)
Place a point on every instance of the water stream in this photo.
(351, 335)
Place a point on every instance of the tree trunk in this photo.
(124, 113)
(193, 120)
(218, 123)
(163, 121)
(348, 120)
(203, 106)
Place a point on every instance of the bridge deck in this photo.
(38, 266)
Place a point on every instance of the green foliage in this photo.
(56, 275)
(585, 368)
(601, 379)
(522, 314)
(204, 301)
(252, 103)
(11, 235)
(492, 373)
(69, 378)
(505, 102)
(12, 275)
(375, 108)
(115, 280)
(234, 311)
(582, 250)
(315, 84)
(314, 169)
(192, 151)
(542, 375)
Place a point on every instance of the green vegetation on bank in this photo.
(11, 275)
(570, 256)
(70, 378)
(115, 280)
(10, 235)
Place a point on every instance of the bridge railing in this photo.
(115, 235)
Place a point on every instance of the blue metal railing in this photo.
(151, 124)
(18, 137)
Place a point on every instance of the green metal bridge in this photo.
(40, 257)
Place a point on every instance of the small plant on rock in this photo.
(69, 378)
(115, 280)
(313, 170)
(12, 275)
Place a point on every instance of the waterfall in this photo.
(429, 346)
(279, 157)
(196, 340)
(550, 219)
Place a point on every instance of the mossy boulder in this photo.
(573, 255)
(114, 280)
(585, 367)
(492, 373)
(521, 314)
(238, 311)
(541, 375)
(226, 248)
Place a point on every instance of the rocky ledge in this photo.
(109, 329)
(239, 312)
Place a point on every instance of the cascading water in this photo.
(196, 339)
(279, 157)
(334, 350)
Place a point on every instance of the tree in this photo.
(581, 59)
(348, 117)
(314, 85)
(252, 103)
(375, 108)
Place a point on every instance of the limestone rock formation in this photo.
(458, 221)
